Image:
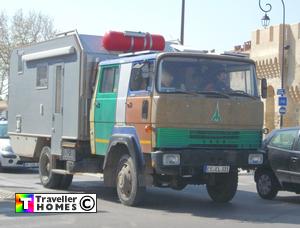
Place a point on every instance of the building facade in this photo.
(266, 49)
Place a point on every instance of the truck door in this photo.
(105, 106)
(57, 112)
(138, 104)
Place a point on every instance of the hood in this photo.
(188, 111)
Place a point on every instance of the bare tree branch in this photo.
(19, 30)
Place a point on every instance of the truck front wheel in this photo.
(47, 177)
(128, 187)
(224, 188)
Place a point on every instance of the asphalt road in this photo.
(162, 207)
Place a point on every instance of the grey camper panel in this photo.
(32, 89)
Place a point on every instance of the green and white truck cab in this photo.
(165, 119)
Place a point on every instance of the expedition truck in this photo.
(146, 118)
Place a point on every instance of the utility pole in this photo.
(182, 22)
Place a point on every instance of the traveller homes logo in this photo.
(55, 202)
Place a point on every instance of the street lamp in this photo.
(265, 23)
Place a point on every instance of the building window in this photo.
(42, 76)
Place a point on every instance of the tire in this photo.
(129, 190)
(267, 185)
(1, 168)
(48, 179)
(66, 181)
(224, 188)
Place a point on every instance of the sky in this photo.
(210, 24)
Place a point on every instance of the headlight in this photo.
(171, 159)
(255, 159)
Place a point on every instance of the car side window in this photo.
(297, 146)
(284, 139)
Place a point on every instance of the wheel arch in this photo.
(119, 145)
(265, 169)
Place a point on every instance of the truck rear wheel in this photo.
(224, 188)
(128, 188)
(47, 177)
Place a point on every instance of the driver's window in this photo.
(141, 76)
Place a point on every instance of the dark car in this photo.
(282, 168)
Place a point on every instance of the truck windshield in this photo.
(206, 75)
(3, 131)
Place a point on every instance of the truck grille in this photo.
(177, 137)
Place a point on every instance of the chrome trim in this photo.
(28, 135)
(288, 172)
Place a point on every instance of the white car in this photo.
(7, 157)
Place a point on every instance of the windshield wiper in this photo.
(186, 92)
(214, 93)
(241, 93)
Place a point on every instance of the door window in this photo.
(141, 77)
(58, 87)
(284, 139)
(109, 82)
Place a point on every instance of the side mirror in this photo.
(264, 88)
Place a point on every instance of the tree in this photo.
(17, 31)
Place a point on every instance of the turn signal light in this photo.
(148, 129)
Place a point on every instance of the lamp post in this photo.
(265, 23)
(182, 22)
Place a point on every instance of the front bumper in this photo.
(11, 162)
(192, 161)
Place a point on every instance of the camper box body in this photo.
(50, 89)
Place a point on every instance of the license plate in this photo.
(216, 169)
(30, 165)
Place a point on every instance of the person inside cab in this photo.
(218, 83)
(191, 80)
(166, 80)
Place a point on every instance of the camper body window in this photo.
(42, 76)
(20, 63)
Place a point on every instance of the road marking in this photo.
(6, 195)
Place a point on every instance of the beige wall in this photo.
(266, 50)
